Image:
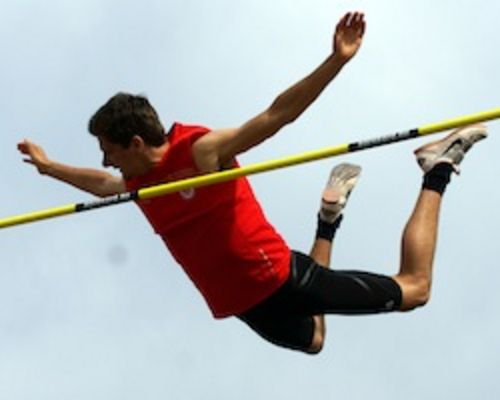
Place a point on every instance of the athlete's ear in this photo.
(137, 142)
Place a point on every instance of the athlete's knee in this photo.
(416, 291)
(316, 345)
(318, 339)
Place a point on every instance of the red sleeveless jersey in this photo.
(217, 233)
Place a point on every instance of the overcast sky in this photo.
(93, 307)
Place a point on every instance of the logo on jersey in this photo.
(187, 194)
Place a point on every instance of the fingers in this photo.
(360, 24)
(344, 20)
(354, 21)
(24, 146)
(27, 147)
(34, 153)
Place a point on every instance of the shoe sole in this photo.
(342, 173)
(463, 133)
(437, 150)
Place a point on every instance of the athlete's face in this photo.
(125, 159)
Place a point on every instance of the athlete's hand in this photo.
(349, 35)
(35, 155)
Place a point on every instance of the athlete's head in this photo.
(125, 116)
(128, 130)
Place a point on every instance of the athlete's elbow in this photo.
(110, 187)
(284, 117)
(102, 194)
(280, 115)
(106, 191)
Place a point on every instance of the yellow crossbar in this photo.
(224, 176)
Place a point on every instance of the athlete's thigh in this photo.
(290, 331)
(320, 290)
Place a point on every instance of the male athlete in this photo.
(219, 234)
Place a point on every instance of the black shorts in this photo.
(286, 317)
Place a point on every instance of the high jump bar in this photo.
(252, 169)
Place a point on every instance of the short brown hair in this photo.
(124, 116)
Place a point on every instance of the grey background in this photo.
(93, 307)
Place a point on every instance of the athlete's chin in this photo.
(128, 174)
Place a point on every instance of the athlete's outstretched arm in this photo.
(94, 181)
(220, 146)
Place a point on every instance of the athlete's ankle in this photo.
(326, 230)
(438, 178)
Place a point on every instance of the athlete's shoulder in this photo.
(186, 131)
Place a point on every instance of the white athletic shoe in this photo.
(451, 149)
(338, 188)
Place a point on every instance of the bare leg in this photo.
(418, 246)
(417, 255)
(417, 250)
